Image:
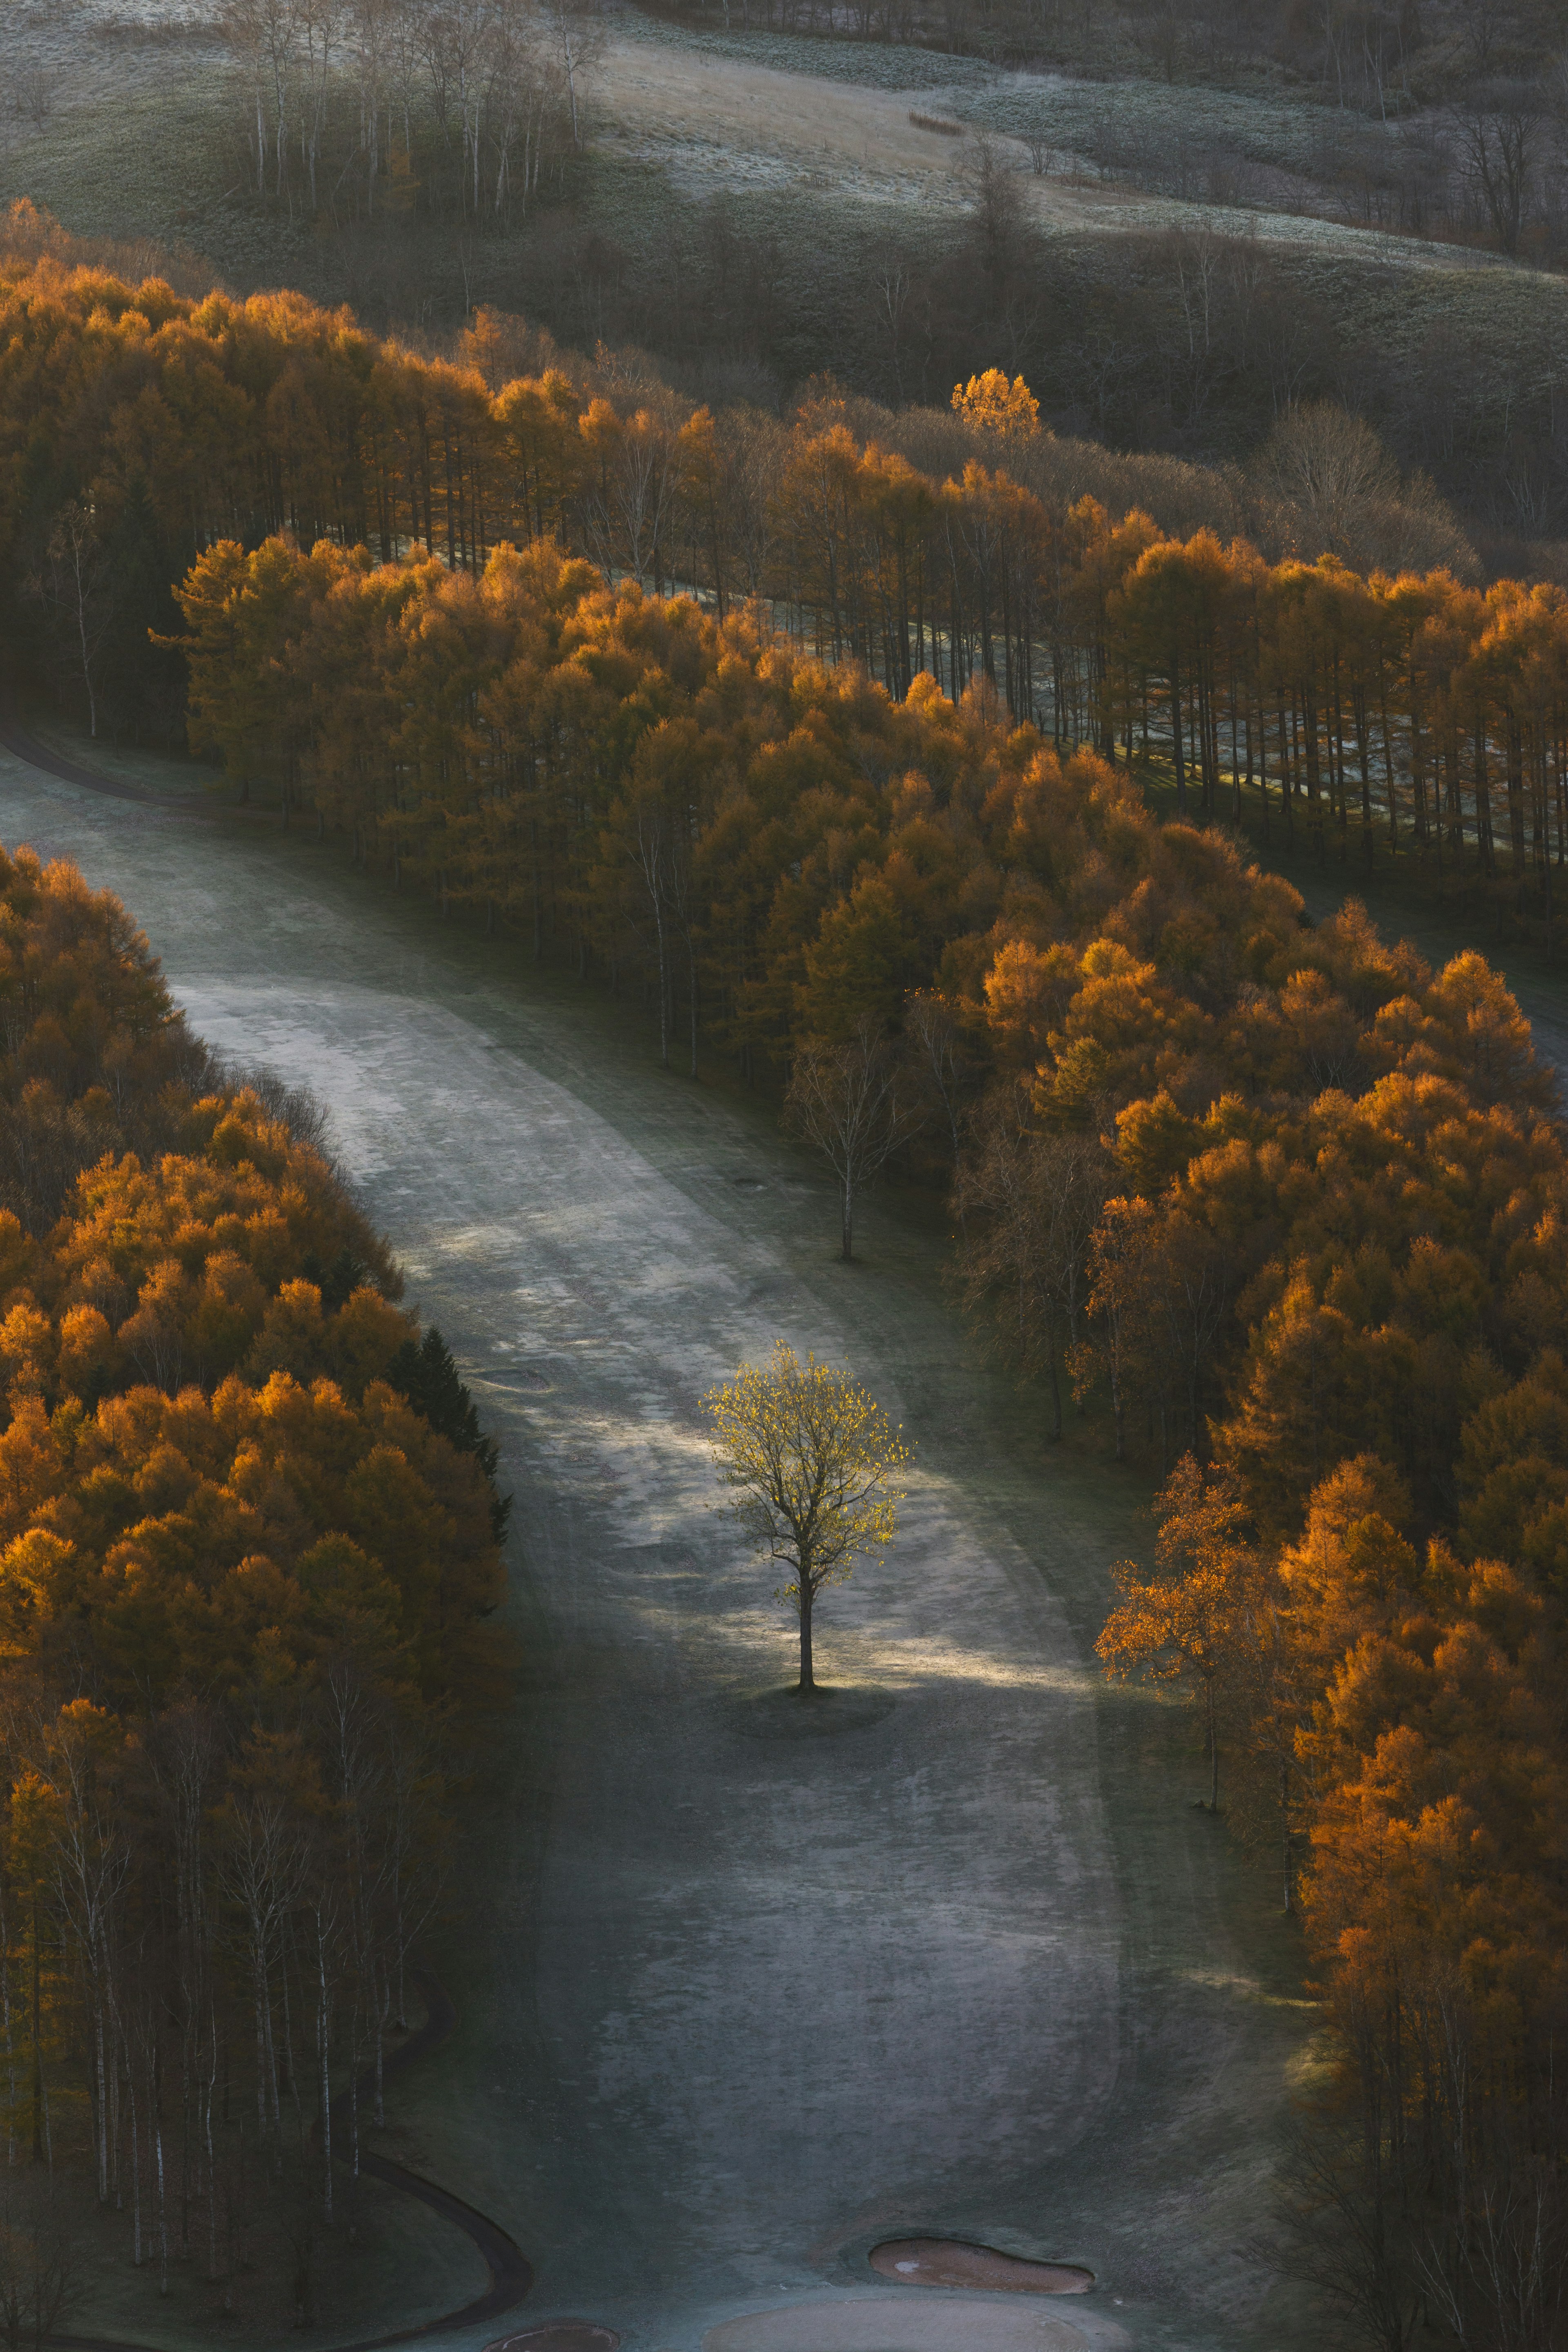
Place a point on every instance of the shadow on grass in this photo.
(824, 1713)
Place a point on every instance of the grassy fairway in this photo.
(739, 2000)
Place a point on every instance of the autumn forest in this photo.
(929, 778)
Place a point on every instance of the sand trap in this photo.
(559, 2336)
(896, 2323)
(949, 2262)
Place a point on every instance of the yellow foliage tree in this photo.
(812, 1462)
(997, 406)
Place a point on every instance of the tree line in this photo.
(140, 424)
(1379, 1700)
(353, 108)
(1360, 713)
(1284, 1207)
(247, 1559)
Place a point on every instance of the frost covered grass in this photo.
(156, 162)
(164, 160)
(1065, 109)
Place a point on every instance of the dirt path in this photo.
(510, 2274)
(24, 745)
(740, 2002)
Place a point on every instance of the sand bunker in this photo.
(949, 2262)
(896, 2323)
(559, 2336)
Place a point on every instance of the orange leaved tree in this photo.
(1192, 1623)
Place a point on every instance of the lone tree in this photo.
(855, 1102)
(811, 1459)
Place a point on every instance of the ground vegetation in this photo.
(1446, 122)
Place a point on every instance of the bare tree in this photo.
(943, 1052)
(320, 28)
(1330, 466)
(644, 478)
(1344, 2230)
(997, 215)
(264, 1858)
(35, 92)
(856, 1104)
(1502, 2281)
(576, 30)
(651, 852)
(893, 284)
(264, 34)
(77, 584)
(1497, 132)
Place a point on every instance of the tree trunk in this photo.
(692, 977)
(1176, 740)
(1285, 1828)
(805, 1682)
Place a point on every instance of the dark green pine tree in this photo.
(426, 1374)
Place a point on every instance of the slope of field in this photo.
(143, 135)
(740, 2002)
(758, 109)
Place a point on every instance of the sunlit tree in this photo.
(813, 1465)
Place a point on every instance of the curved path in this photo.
(510, 2273)
(744, 1995)
(18, 738)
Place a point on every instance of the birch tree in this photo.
(576, 29)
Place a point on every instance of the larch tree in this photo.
(812, 1463)
(989, 401)
(1193, 1622)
